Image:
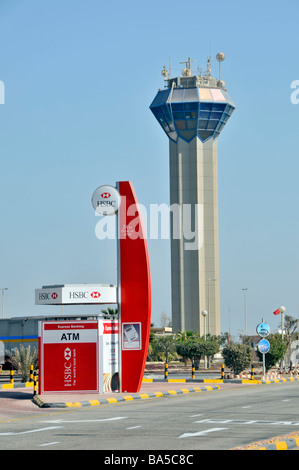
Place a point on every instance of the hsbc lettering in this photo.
(106, 203)
(84, 295)
(78, 295)
(47, 295)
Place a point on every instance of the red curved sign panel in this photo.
(134, 290)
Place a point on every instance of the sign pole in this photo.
(263, 330)
(118, 294)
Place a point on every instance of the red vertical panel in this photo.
(135, 290)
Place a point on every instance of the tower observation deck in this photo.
(193, 109)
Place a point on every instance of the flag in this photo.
(277, 312)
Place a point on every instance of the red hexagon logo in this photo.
(95, 295)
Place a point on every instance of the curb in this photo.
(206, 381)
(287, 442)
(223, 381)
(37, 400)
(16, 385)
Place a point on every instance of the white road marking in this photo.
(48, 444)
(200, 433)
(85, 420)
(215, 421)
(134, 427)
(27, 432)
(248, 421)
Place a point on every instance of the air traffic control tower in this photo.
(193, 110)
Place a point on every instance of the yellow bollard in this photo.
(34, 384)
(193, 371)
(166, 371)
(31, 373)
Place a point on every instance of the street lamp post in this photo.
(282, 310)
(3, 289)
(204, 314)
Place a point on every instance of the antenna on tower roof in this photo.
(209, 66)
(220, 57)
(187, 70)
(164, 72)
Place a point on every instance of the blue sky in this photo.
(79, 78)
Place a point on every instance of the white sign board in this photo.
(76, 294)
(106, 200)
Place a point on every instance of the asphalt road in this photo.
(218, 420)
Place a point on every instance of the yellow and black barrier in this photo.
(193, 371)
(34, 383)
(31, 373)
(166, 371)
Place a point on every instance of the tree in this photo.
(23, 358)
(181, 337)
(237, 357)
(211, 346)
(111, 313)
(277, 351)
(165, 344)
(191, 348)
(165, 320)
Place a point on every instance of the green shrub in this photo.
(237, 357)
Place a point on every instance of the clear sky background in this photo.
(79, 78)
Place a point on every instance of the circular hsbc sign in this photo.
(106, 200)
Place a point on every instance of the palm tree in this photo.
(110, 313)
(23, 358)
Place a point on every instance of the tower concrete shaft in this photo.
(195, 262)
(192, 110)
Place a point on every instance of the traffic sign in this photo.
(264, 346)
(263, 330)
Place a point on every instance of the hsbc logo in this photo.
(95, 295)
(47, 295)
(67, 354)
(84, 295)
(106, 200)
(105, 195)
